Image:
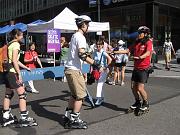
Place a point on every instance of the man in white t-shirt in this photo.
(73, 72)
(167, 48)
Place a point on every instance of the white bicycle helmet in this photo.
(144, 29)
(81, 19)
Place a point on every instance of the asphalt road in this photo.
(110, 118)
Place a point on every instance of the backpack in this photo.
(5, 66)
(3, 58)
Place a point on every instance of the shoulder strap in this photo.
(11, 42)
(101, 56)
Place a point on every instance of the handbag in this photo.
(96, 73)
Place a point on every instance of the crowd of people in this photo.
(103, 57)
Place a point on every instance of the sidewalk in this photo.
(160, 70)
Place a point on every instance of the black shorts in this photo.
(120, 64)
(140, 76)
(11, 80)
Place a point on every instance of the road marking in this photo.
(165, 76)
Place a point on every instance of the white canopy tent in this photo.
(65, 21)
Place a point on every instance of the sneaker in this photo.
(136, 104)
(122, 83)
(112, 83)
(99, 101)
(35, 91)
(118, 83)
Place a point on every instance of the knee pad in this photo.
(9, 96)
(23, 96)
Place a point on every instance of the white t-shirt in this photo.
(167, 47)
(119, 57)
(77, 41)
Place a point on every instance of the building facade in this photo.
(125, 16)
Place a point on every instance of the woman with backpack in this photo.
(104, 59)
(13, 80)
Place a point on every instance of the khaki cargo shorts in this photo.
(76, 83)
(167, 57)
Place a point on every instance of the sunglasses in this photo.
(99, 45)
(87, 23)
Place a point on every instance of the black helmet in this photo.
(81, 19)
(144, 29)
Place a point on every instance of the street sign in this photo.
(53, 40)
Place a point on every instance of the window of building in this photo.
(31, 5)
(28, 5)
(35, 5)
(40, 4)
(24, 6)
(44, 3)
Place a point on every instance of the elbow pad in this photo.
(83, 56)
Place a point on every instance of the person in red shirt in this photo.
(142, 51)
(31, 60)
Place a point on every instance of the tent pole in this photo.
(6, 38)
(27, 40)
(109, 37)
(54, 62)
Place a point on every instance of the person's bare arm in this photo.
(121, 51)
(27, 61)
(173, 51)
(88, 59)
(109, 59)
(146, 54)
(39, 62)
(15, 61)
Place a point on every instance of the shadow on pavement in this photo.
(41, 112)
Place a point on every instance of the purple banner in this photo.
(53, 40)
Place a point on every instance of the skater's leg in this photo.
(22, 98)
(142, 91)
(31, 84)
(25, 120)
(135, 92)
(8, 96)
(122, 75)
(100, 94)
(8, 117)
(77, 105)
(118, 74)
(77, 86)
(115, 75)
